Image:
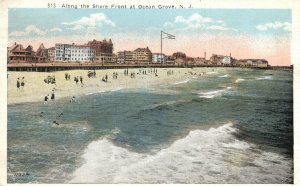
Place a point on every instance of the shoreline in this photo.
(35, 89)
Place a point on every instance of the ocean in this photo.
(229, 126)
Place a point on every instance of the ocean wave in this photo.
(239, 80)
(265, 78)
(203, 156)
(181, 82)
(226, 75)
(214, 93)
(103, 91)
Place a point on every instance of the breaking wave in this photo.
(103, 91)
(226, 75)
(181, 82)
(215, 93)
(239, 80)
(265, 78)
(203, 156)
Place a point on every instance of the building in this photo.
(128, 57)
(101, 57)
(177, 55)
(216, 59)
(42, 54)
(103, 51)
(239, 62)
(159, 58)
(251, 63)
(180, 61)
(199, 61)
(81, 53)
(262, 63)
(170, 60)
(190, 61)
(62, 52)
(125, 57)
(51, 54)
(142, 55)
(101, 46)
(73, 53)
(121, 57)
(227, 60)
(257, 62)
(18, 54)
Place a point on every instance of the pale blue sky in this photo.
(234, 21)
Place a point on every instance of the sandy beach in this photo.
(36, 89)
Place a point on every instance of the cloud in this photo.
(286, 26)
(55, 30)
(197, 22)
(33, 30)
(30, 29)
(91, 22)
(194, 21)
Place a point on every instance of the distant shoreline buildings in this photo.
(101, 52)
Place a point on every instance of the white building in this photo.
(227, 60)
(81, 53)
(73, 53)
(158, 58)
(62, 52)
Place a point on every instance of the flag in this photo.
(169, 36)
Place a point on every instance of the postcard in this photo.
(124, 92)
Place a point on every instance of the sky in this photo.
(243, 33)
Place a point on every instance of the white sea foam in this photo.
(226, 75)
(181, 82)
(203, 156)
(239, 80)
(103, 91)
(214, 93)
(265, 78)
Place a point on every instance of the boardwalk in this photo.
(50, 67)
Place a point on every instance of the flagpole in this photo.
(161, 47)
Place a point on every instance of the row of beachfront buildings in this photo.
(101, 52)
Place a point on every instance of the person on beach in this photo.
(18, 84)
(76, 80)
(66, 76)
(72, 99)
(22, 83)
(46, 100)
(52, 96)
(106, 77)
(81, 79)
